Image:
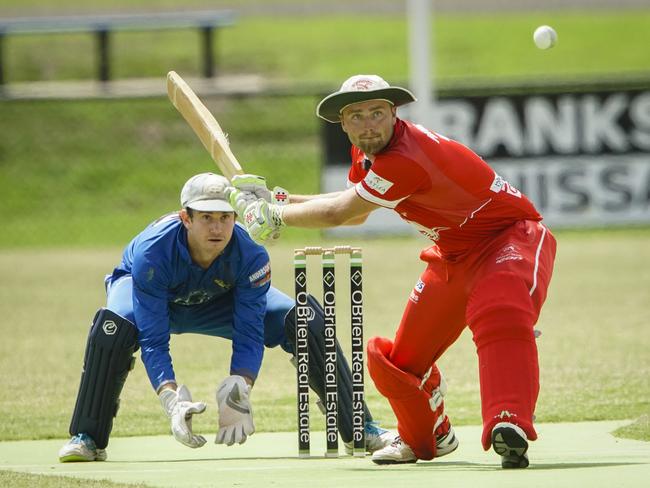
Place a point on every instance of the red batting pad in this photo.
(415, 419)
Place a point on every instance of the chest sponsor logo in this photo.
(377, 183)
(222, 284)
(194, 297)
(433, 233)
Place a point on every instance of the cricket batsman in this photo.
(195, 271)
(488, 267)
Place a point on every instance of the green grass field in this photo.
(589, 305)
(593, 350)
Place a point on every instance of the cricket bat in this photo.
(204, 125)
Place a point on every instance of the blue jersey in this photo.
(170, 293)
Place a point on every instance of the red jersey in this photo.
(441, 187)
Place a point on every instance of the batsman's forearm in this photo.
(346, 207)
(318, 213)
(293, 198)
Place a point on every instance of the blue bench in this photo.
(103, 25)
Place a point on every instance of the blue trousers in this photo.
(213, 318)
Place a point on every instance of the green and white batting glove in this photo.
(179, 407)
(263, 220)
(239, 200)
(280, 196)
(235, 411)
(253, 187)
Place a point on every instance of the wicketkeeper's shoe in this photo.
(510, 442)
(81, 448)
(376, 438)
(398, 452)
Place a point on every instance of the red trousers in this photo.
(498, 290)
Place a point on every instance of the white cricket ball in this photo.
(545, 37)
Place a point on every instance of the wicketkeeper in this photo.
(489, 267)
(194, 271)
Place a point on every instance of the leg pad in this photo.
(501, 316)
(112, 340)
(409, 397)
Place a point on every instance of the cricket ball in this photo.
(545, 37)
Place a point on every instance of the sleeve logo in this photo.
(377, 183)
(261, 276)
(499, 184)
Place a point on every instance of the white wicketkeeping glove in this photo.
(235, 411)
(179, 407)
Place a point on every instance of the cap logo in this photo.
(213, 190)
(363, 84)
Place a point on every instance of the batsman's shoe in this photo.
(81, 448)
(446, 440)
(510, 442)
(397, 452)
(376, 438)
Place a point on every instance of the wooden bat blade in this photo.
(203, 123)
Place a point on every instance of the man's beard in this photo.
(371, 147)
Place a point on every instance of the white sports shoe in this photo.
(398, 452)
(376, 438)
(510, 442)
(446, 440)
(81, 448)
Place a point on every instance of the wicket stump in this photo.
(304, 314)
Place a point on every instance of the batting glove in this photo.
(263, 220)
(235, 411)
(179, 407)
(253, 187)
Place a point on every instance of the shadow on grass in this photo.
(465, 465)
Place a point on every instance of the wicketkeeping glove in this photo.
(235, 411)
(179, 407)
